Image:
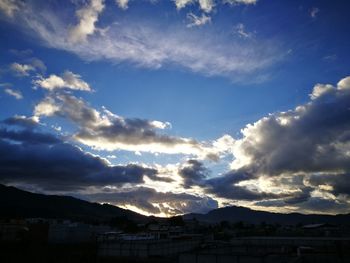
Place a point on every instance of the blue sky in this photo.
(193, 90)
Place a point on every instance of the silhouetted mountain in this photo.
(235, 214)
(16, 203)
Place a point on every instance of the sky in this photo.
(167, 107)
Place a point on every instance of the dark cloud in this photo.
(312, 204)
(106, 130)
(154, 202)
(313, 139)
(194, 173)
(339, 183)
(324, 205)
(226, 186)
(21, 121)
(28, 136)
(29, 157)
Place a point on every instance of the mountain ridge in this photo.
(237, 213)
(17, 203)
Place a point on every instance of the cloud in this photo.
(87, 16)
(236, 2)
(227, 186)
(336, 183)
(107, 131)
(241, 31)
(21, 69)
(123, 4)
(9, 7)
(68, 80)
(22, 121)
(182, 3)
(311, 138)
(151, 45)
(14, 93)
(153, 202)
(314, 11)
(310, 145)
(29, 157)
(208, 5)
(197, 20)
(193, 173)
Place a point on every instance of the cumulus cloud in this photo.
(312, 138)
(310, 143)
(14, 93)
(21, 69)
(48, 163)
(68, 80)
(87, 16)
(153, 202)
(197, 20)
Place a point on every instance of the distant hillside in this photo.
(235, 214)
(16, 203)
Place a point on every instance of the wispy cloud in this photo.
(314, 12)
(197, 20)
(146, 44)
(241, 31)
(14, 93)
(208, 5)
(21, 69)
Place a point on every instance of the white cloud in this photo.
(46, 107)
(182, 3)
(246, 2)
(152, 45)
(123, 4)
(242, 32)
(204, 5)
(320, 89)
(197, 20)
(9, 7)
(88, 16)
(208, 5)
(14, 93)
(344, 83)
(21, 69)
(67, 80)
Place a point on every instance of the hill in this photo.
(16, 203)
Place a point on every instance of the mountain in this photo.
(235, 214)
(16, 203)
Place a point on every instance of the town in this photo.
(170, 240)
